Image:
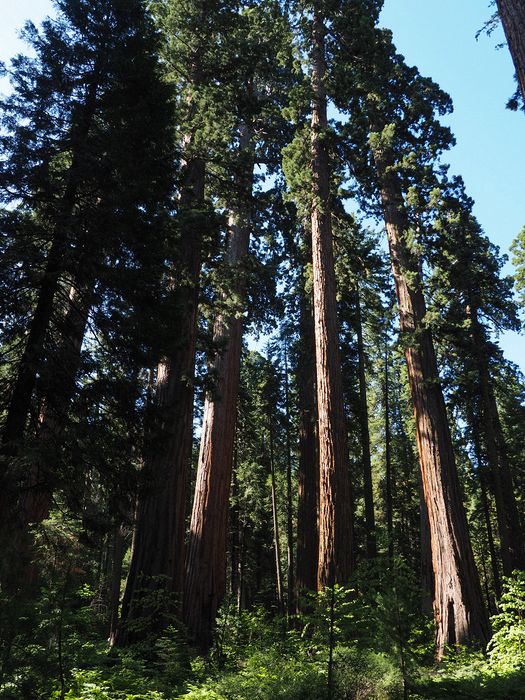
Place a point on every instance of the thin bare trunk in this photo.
(275, 520)
(370, 522)
(509, 526)
(335, 510)
(388, 460)
(290, 578)
(119, 549)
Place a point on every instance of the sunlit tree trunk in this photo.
(335, 510)
(458, 606)
(512, 13)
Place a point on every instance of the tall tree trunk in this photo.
(427, 573)
(308, 467)
(512, 13)
(290, 577)
(206, 563)
(275, 521)
(509, 526)
(119, 550)
(35, 501)
(31, 362)
(370, 523)
(157, 561)
(335, 510)
(458, 605)
(472, 414)
(389, 476)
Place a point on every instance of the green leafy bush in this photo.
(360, 675)
(507, 646)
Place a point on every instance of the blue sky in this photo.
(439, 37)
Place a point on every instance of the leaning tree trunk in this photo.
(308, 467)
(512, 13)
(32, 359)
(59, 390)
(157, 560)
(205, 584)
(33, 355)
(275, 522)
(458, 606)
(509, 526)
(35, 500)
(335, 510)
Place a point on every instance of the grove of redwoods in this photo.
(251, 446)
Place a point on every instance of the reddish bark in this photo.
(157, 560)
(335, 511)
(205, 584)
(512, 13)
(509, 526)
(458, 606)
(308, 468)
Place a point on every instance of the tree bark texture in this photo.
(205, 584)
(389, 475)
(308, 467)
(509, 526)
(157, 561)
(458, 606)
(275, 521)
(335, 510)
(290, 570)
(512, 13)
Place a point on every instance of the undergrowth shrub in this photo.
(507, 647)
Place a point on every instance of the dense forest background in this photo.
(258, 435)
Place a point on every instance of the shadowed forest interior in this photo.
(259, 439)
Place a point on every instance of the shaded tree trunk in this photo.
(157, 560)
(427, 573)
(119, 550)
(290, 577)
(275, 521)
(389, 476)
(308, 467)
(509, 526)
(205, 584)
(370, 523)
(458, 605)
(32, 359)
(335, 510)
(512, 13)
(35, 502)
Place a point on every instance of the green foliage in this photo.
(518, 260)
(366, 674)
(507, 646)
